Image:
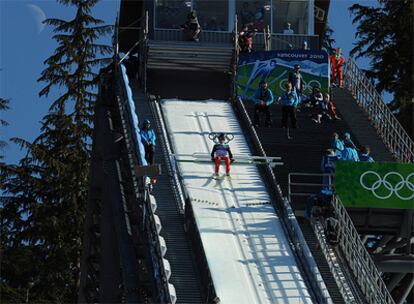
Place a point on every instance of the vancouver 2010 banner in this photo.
(375, 185)
(275, 66)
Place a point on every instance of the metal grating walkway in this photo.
(184, 275)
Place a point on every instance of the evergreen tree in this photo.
(4, 105)
(385, 35)
(44, 202)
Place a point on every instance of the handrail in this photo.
(307, 184)
(359, 260)
(143, 53)
(178, 189)
(356, 255)
(388, 127)
(134, 146)
(333, 263)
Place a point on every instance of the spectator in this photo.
(348, 141)
(316, 96)
(365, 155)
(246, 39)
(296, 79)
(288, 30)
(349, 153)
(337, 61)
(289, 101)
(191, 28)
(325, 107)
(148, 140)
(331, 107)
(263, 98)
(246, 15)
(337, 144)
(331, 230)
(311, 203)
(316, 101)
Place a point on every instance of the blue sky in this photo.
(24, 45)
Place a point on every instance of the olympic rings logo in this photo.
(385, 182)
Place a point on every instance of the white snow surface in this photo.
(246, 248)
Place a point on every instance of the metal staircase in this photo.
(184, 275)
(189, 56)
(387, 127)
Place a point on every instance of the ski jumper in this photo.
(221, 152)
(337, 61)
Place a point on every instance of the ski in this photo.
(203, 156)
(235, 163)
(221, 177)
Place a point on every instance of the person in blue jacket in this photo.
(349, 153)
(263, 98)
(289, 101)
(348, 141)
(148, 140)
(328, 167)
(365, 155)
(337, 144)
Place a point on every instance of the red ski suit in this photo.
(336, 67)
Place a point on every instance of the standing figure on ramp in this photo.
(148, 140)
(221, 152)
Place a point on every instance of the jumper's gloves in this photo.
(232, 160)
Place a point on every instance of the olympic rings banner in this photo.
(375, 185)
(275, 66)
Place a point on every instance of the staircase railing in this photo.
(388, 127)
(333, 263)
(143, 56)
(359, 260)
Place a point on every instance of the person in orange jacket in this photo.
(337, 61)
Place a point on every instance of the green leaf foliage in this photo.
(44, 196)
(385, 35)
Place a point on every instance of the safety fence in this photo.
(306, 184)
(359, 260)
(151, 224)
(334, 263)
(356, 255)
(387, 126)
(276, 41)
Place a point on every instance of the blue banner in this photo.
(275, 66)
